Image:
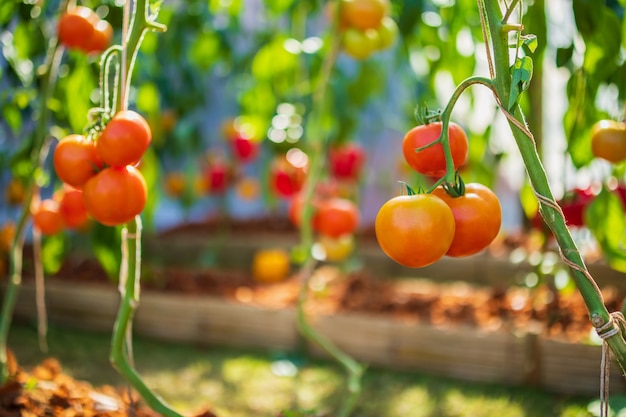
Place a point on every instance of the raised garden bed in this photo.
(472, 332)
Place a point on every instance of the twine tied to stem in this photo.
(612, 327)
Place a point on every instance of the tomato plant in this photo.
(116, 195)
(76, 160)
(477, 215)
(574, 204)
(335, 217)
(608, 140)
(431, 160)
(72, 208)
(125, 139)
(415, 230)
(270, 265)
(47, 217)
(346, 161)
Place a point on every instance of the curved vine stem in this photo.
(134, 30)
(317, 147)
(38, 155)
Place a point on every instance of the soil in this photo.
(555, 314)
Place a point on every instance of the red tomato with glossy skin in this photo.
(47, 217)
(76, 160)
(101, 37)
(76, 26)
(431, 161)
(287, 175)
(363, 14)
(608, 140)
(125, 139)
(477, 216)
(72, 208)
(346, 161)
(336, 217)
(116, 195)
(216, 177)
(415, 230)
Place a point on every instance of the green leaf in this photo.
(529, 201)
(148, 100)
(78, 87)
(278, 6)
(530, 42)
(522, 73)
(150, 171)
(7, 9)
(205, 50)
(53, 252)
(106, 243)
(274, 61)
(564, 55)
(12, 116)
(606, 219)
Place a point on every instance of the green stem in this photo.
(316, 163)
(509, 10)
(538, 178)
(38, 156)
(129, 287)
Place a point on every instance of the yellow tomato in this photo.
(335, 249)
(270, 265)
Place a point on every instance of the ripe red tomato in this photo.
(216, 177)
(101, 37)
(608, 140)
(431, 161)
(76, 26)
(47, 217)
(76, 159)
(125, 139)
(346, 161)
(116, 195)
(244, 149)
(335, 217)
(288, 173)
(415, 230)
(363, 14)
(72, 208)
(573, 205)
(477, 216)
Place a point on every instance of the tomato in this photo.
(363, 14)
(270, 265)
(415, 230)
(15, 192)
(76, 159)
(336, 249)
(360, 44)
(244, 148)
(7, 234)
(72, 208)
(573, 205)
(431, 161)
(346, 161)
(47, 217)
(100, 38)
(335, 217)
(288, 173)
(477, 216)
(608, 140)
(216, 177)
(387, 33)
(125, 139)
(248, 188)
(116, 195)
(76, 27)
(174, 184)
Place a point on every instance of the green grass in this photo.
(240, 382)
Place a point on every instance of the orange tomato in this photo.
(76, 160)
(125, 139)
(271, 265)
(363, 14)
(608, 140)
(76, 27)
(47, 217)
(72, 208)
(100, 38)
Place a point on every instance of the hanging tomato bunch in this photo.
(366, 27)
(113, 190)
(82, 29)
(454, 220)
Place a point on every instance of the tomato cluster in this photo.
(334, 219)
(82, 29)
(459, 220)
(65, 210)
(366, 27)
(113, 190)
